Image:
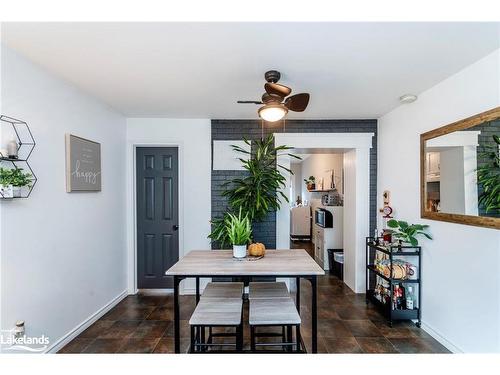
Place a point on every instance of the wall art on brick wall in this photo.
(225, 158)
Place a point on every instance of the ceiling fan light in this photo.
(272, 112)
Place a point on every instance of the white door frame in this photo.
(356, 217)
(131, 208)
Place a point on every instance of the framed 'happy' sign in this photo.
(83, 164)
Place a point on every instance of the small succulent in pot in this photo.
(239, 232)
(407, 233)
(310, 183)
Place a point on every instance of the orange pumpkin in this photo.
(256, 249)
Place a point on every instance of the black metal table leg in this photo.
(297, 334)
(289, 338)
(297, 295)
(177, 343)
(239, 338)
(197, 290)
(314, 312)
(283, 337)
(252, 338)
(193, 335)
(200, 337)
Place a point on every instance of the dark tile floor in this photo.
(143, 323)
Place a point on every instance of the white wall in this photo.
(316, 165)
(461, 278)
(63, 255)
(356, 220)
(193, 136)
(296, 182)
(451, 187)
(350, 217)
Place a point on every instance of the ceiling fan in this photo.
(276, 102)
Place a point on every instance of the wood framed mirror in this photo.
(460, 173)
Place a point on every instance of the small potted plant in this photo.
(239, 232)
(310, 183)
(407, 233)
(13, 180)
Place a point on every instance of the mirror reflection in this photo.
(462, 174)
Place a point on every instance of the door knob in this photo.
(175, 227)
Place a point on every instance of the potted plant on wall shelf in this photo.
(407, 233)
(239, 231)
(310, 183)
(12, 180)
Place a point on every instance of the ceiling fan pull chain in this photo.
(262, 129)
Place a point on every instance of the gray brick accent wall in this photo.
(486, 143)
(265, 231)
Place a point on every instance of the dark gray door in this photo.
(157, 215)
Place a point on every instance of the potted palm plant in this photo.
(239, 232)
(258, 192)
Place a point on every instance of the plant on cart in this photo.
(407, 233)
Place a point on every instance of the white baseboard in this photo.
(439, 337)
(155, 292)
(188, 291)
(59, 344)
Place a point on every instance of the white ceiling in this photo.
(199, 70)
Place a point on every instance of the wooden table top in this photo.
(296, 262)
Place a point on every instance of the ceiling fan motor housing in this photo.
(272, 76)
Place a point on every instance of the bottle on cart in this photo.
(398, 302)
(395, 298)
(403, 296)
(410, 299)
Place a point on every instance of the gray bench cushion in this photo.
(217, 312)
(223, 290)
(275, 311)
(268, 290)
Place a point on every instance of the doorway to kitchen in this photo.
(355, 149)
(157, 215)
(316, 203)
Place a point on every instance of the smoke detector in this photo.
(407, 98)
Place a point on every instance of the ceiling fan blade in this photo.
(248, 102)
(298, 102)
(277, 89)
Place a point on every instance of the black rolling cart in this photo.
(380, 285)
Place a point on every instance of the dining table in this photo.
(284, 263)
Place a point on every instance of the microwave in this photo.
(323, 218)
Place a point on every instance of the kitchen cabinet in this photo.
(328, 238)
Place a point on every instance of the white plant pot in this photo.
(17, 191)
(239, 251)
(6, 191)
